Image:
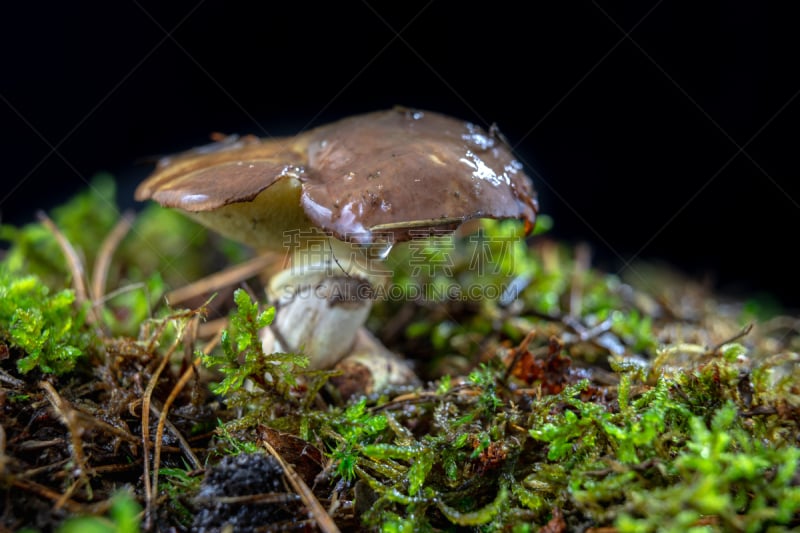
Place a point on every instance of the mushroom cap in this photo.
(389, 175)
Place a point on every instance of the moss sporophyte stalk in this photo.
(584, 402)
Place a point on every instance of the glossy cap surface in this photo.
(400, 172)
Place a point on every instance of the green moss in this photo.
(260, 384)
(615, 413)
(123, 517)
(85, 221)
(722, 472)
(49, 329)
(180, 485)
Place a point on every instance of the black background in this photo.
(651, 129)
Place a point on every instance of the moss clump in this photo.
(722, 472)
(48, 330)
(274, 380)
(123, 517)
(557, 397)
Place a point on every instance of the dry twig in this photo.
(107, 249)
(150, 488)
(68, 417)
(323, 519)
(223, 278)
(74, 262)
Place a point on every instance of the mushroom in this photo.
(338, 197)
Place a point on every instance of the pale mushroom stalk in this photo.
(364, 183)
(322, 299)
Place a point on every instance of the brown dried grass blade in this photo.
(323, 519)
(224, 278)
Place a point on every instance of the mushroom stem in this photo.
(322, 299)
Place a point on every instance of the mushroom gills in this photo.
(269, 222)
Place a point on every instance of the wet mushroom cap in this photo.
(401, 172)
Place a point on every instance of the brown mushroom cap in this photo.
(400, 172)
